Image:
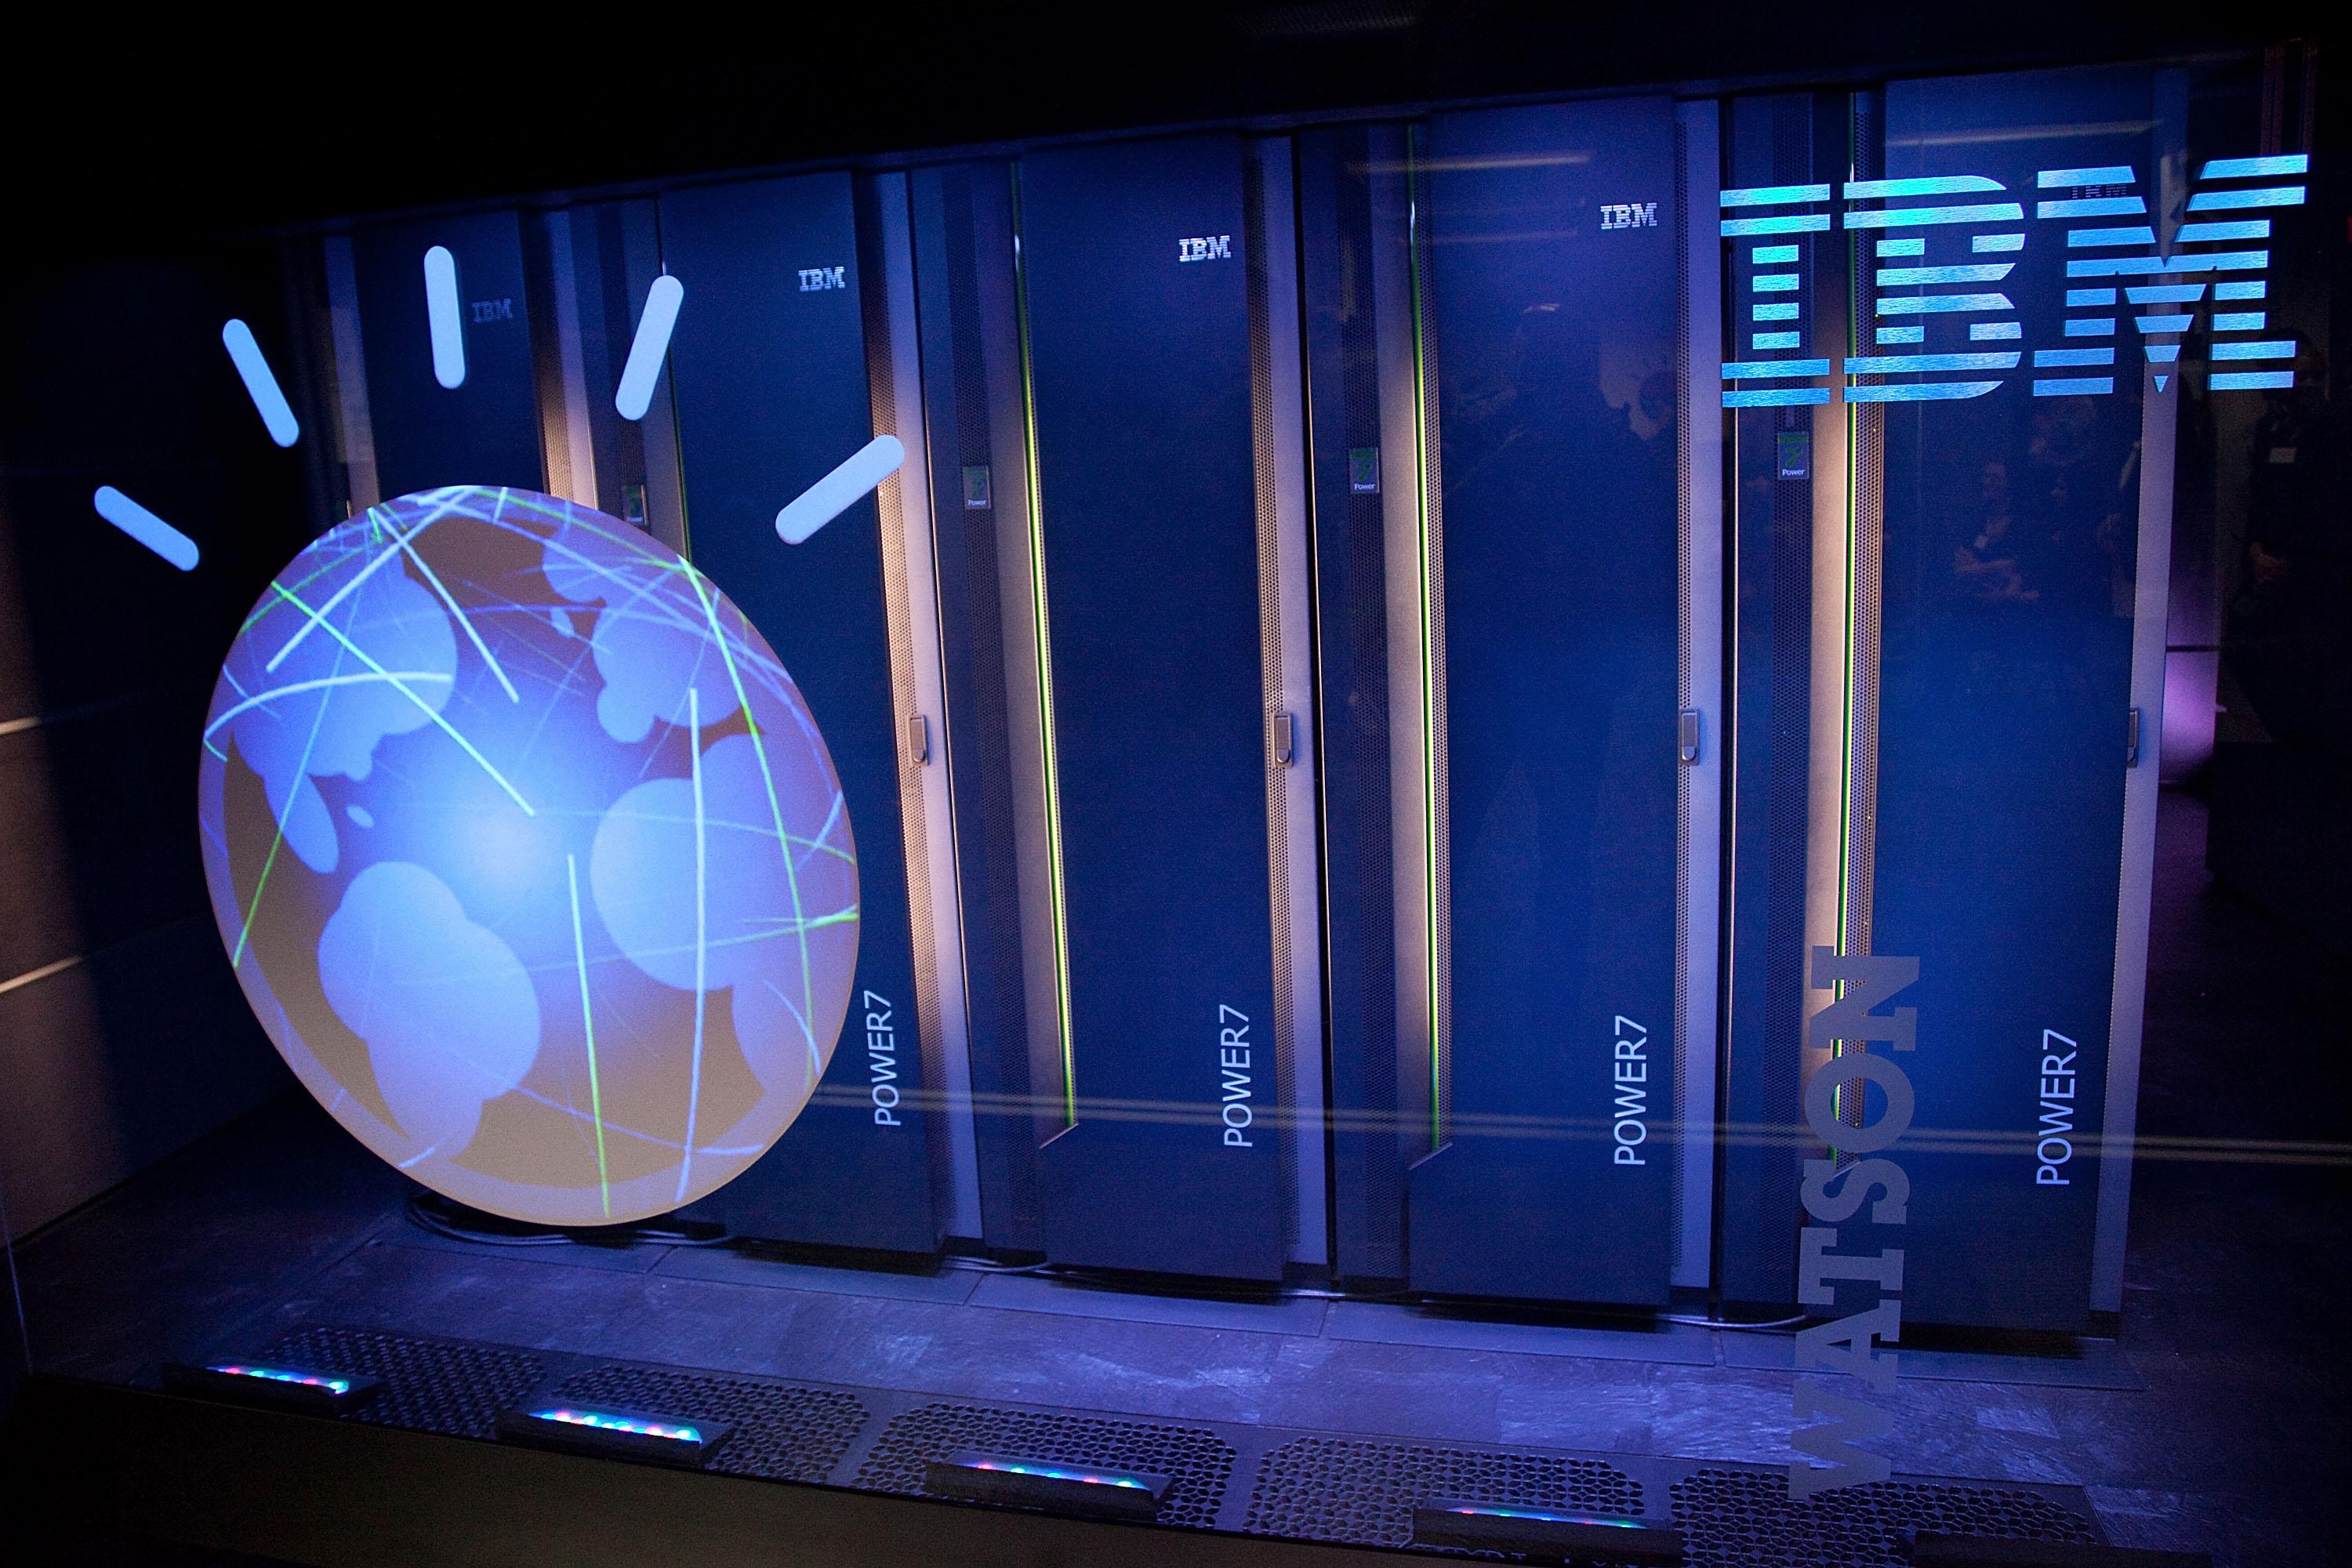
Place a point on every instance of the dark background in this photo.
(136, 136)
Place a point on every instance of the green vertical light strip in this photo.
(1428, 641)
(1044, 669)
(1853, 303)
(1846, 706)
(588, 1032)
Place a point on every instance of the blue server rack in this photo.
(1137, 279)
(769, 366)
(485, 430)
(1549, 332)
(2003, 690)
(1941, 446)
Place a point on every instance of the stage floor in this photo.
(2216, 1422)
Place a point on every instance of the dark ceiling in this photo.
(121, 137)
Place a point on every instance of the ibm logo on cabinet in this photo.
(815, 279)
(1206, 248)
(1939, 256)
(1629, 214)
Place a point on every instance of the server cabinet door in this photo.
(1136, 277)
(1356, 282)
(768, 365)
(1789, 523)
(485, 430)
(1549, 291)
(2003, 672)
(974, 413)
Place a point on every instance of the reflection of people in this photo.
(2289, 640)
(1653, 408)
(2049, 530)
(1555, 361)
(1559, 522)
(1984, 568)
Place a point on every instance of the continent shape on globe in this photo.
(529, 856)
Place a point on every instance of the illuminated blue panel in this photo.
(2092, 327)
(2204, 233)
(1907, 364)
(2268, 347)
(2083, 238)
(2062, 358)
(2224, 261)
(1910, 244)
(1985, 331)
(441, 312)
(1776, 397)
(1905, 217)
(2077, 297)
(1928, 186)
(1775, 283)
(2264, 196)
(2251, 380)
(2074, 386)
(260, 384)
(1743, 370)
(1902, 335)
(1985, 243)
(1776, 311)
(2165, 323)
(2163, 354)
(2241, 290)
(1929, 392)
(2256, 168)
(281, 1374)
(1483, 1510)
(1774, 196)
(2141, 266)
(1931, 304)
(605, 1422)
(1978, 272)
(2241, 321)
(1793, 223)
(2104, 175)
(1062, 1473)
(850, 481)
(2161, 293)
(1770, 255)
(145, 527)
(2092, 206)
(1765, 342)
(647, 350)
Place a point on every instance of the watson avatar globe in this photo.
(529, 856)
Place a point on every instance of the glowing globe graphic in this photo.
(529, 856)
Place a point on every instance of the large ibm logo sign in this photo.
(1934, 311)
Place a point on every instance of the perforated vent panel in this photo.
(1332, 1488)
(780, 1432)
(1744, 1518)
(1197, 1462)
(428, 1386)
